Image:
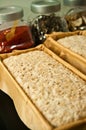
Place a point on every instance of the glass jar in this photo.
(47, 20)
(76, 15)
(15, 33)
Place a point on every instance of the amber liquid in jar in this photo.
(14, 30)
(21, 40)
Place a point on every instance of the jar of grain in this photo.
(76, 15)
(47, 19)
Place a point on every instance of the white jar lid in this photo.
(45, 6)
(10, 13)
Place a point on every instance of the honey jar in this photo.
(15, 32)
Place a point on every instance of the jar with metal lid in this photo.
(47, 20)
(15, 33)
(76, 15)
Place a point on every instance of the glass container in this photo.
(76, 15)
(47, 19)
(15, 33)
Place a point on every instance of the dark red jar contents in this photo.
(21, 40)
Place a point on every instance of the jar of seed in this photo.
(76, 15)
(47, 19)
